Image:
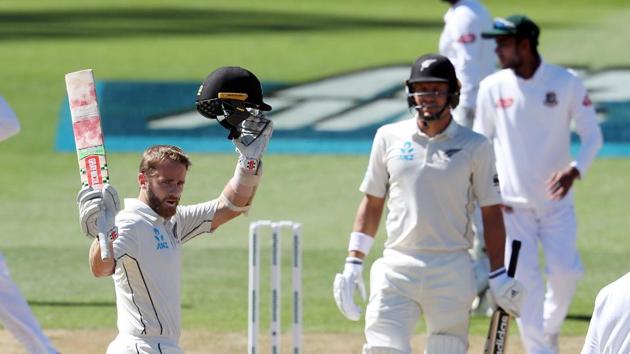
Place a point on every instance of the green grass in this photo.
(286, 41)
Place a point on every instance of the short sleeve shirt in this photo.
(431, 184)
(529, 123)
(147, 276)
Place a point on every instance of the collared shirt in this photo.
(529, 122)
(609, 330)
(461, 42)
(431, 184)
(148, 266)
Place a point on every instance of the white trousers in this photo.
(127, 344)
(440, 285)
(544, 310)
(17, 317)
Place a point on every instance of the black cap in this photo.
(513, 26)
(432, 68)
(233, 82)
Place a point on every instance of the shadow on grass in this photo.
(181, 21)
(580, 318)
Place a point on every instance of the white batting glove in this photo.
(93, 204)
(344, 286)
(508, 293)
(249, 147)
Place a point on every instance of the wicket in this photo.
(254, 285)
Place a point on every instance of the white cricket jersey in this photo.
(472, 56)
(609, 330)
(529, 123)
(431, 184)
(148, 266)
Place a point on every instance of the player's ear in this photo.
(142, 180)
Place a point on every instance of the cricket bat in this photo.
(496, 342)
(88, 137)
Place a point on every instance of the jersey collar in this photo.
(448, 133)
(538, 74)
(138, 207)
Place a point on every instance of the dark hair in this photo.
(533, 44)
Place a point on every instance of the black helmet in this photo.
(231, 94)
(434, 68)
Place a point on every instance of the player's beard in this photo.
(160, 206)
(513, 63)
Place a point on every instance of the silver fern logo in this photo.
(406, 152)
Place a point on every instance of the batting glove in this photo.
(508, 293)
(250, 147)
(344, 286)
(94, 204)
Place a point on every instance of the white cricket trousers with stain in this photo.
(544, 308)
(17, 317)
(439, 285)
(127, 344)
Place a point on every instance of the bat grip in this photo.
(516, 248)
(103, 238)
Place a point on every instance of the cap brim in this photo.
(495, 34)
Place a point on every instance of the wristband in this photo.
(360, 242)
(354, 260)
(246, 179)
(496, 273)
(497, 277)
(231, 205)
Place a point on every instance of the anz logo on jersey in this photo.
(161, 243)
(406, 152)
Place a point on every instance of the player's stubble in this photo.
(160, 205)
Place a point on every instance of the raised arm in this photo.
(239, 192)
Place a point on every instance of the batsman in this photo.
(149, 232)
(429, 171)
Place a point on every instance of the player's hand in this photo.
(97, 204)
(508, 294)
(344, 286)
(559, 184)
(250, 147)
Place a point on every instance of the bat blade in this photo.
(88, 137)
(496, 341)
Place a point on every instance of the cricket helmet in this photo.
(433, 68)
(231, 95)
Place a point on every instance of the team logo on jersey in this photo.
(161, 243)
(586, 102)
(504, 102)
(551, 99)
(467, 38)
(406, 152)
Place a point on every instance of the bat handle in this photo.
(103, 238)
(516, 248)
